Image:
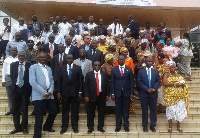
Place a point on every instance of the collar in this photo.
(51, 43)
(61, 53)
(42, 65)
(38, 36)
(149, 68)
(82, 60)
(13, 57)
(96, 72)
(22, 63)
(122, 66)
(71, 65)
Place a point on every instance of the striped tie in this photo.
(21, 75)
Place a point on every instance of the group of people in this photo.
(110, 68)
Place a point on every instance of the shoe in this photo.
(49, 130)
(145, 129)
(90, 131)
(15, 131)
(101, 130)
(75, 130)
(152, 129)
(8, 113)
(126, 129)
(63, 130)
(25, 131)
(117, 129)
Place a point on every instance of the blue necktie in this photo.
(21, 79)
(70, 73)
(149, 78)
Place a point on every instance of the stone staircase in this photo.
(190, 126)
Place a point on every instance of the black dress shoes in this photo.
(145, 129)
(25, 131)
(49, 130)
(126, 129)
(90, 131)
(152, 129)
(63, 130)
(8, 113)
(101, 130)
(75, 130)
(15, 131)
(117, 129)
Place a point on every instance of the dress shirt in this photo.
(80, 25)
(6, 66)
(23, 67)
(5, 35)
(67, 48)
(36, 40)
(59, 38)
(171, 50)
(16, 28)
(21, 46)
(64, 28)
(149, 70)
(99, 76)
(52, 45)
(119, 28)
(87, 47)
(91, 26)
(123, 67)
(68, 67)
(62, 56)
(45, 35)
(45, 71)
(82, 65)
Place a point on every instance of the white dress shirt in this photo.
(99, 76)
(91, 26)
(6, 66)
(23, 67)
(68, 68)
(5, 35)
(16, 28)
(123, 67)
(59, 38)
(45, 71)
(119, 28)
(150, 71)
(67, 48)
(64, 28)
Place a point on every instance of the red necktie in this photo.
(61, 60)
(97, 81)
(121, 72)
(29, 34)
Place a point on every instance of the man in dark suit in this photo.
(96, 94)
(149, 81)
(122, 89)
(27, 33)
(100, 29)
(19, 72)
(36, 24)
(94, 54)
(70, 89)
(134, 27)
(51, 48)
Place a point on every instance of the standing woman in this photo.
(176, 96)
(185, 54)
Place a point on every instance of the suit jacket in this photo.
(39, 25)
(76, 27)
(74, 51)
(25, 35)
(14, 75)
(144, 82)
(83, 47)
(95, 57)
(47, 50)
(91, 86)
(67, 88)
(134, 29)
(131, 51)
(127, 81)
(55, 65)
(87, 68)
(37, 80)
(103, 31)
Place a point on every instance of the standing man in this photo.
(87, 45)
(21, 89)
(91, 24)
(59, 37)
(46, 32)
(117, 28)
(36, 24)
(80, 26)
(51, 21)
(27, 33)
(100, 29)
(70, 89)
(165, 30)
(64, 27)
(37, 37)
(149, 81)
(6, 78)
(96, 94)
(41, 80)
(134, 27)
(122, 89)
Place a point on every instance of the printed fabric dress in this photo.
(176, 100)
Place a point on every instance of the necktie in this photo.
(70, 73)
(94, 52)
(149, 78)
(97, 81)
(115, 29)
(121, 71)
(29, 33)
(61, 60)
(51, 51)
(21, 79)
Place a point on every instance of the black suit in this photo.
(69, 91)
(100, 31)
(134, 29)
(74, 51)
(20, 95)
(38, 25)
(25, 35)
(94, 100)
(47, 50)
(98, 56)
(131, 51)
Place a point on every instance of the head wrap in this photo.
(160, 44)
(141, 31)
(108, 57)
(102, 37)
(110, 44)
(170, 63)
(144, 41)
(127, 40)
(123, 49)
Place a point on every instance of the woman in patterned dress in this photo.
(176, 96)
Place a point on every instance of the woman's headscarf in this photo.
(123, 49)
(108, 57)
(170, 63)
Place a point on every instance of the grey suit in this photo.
(87, 67)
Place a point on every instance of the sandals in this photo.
(170, 130)
(180, 130)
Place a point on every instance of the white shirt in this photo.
(5, 35)
(16, 28)
(99, 76)
(123, 67)
(119, 28)
(64, 28)
(59, 38)
(23, 67)
(91, 26)
(68, 68)
(52, 45)
(36, 40)
(6, 66)
(45, 71)
(150, 71)
(45, 35)
(67, 48)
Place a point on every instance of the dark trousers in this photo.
(91, 106)
(151, 102)
(20, 97)
(66, 102)
(122, 110)
(40, 106)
